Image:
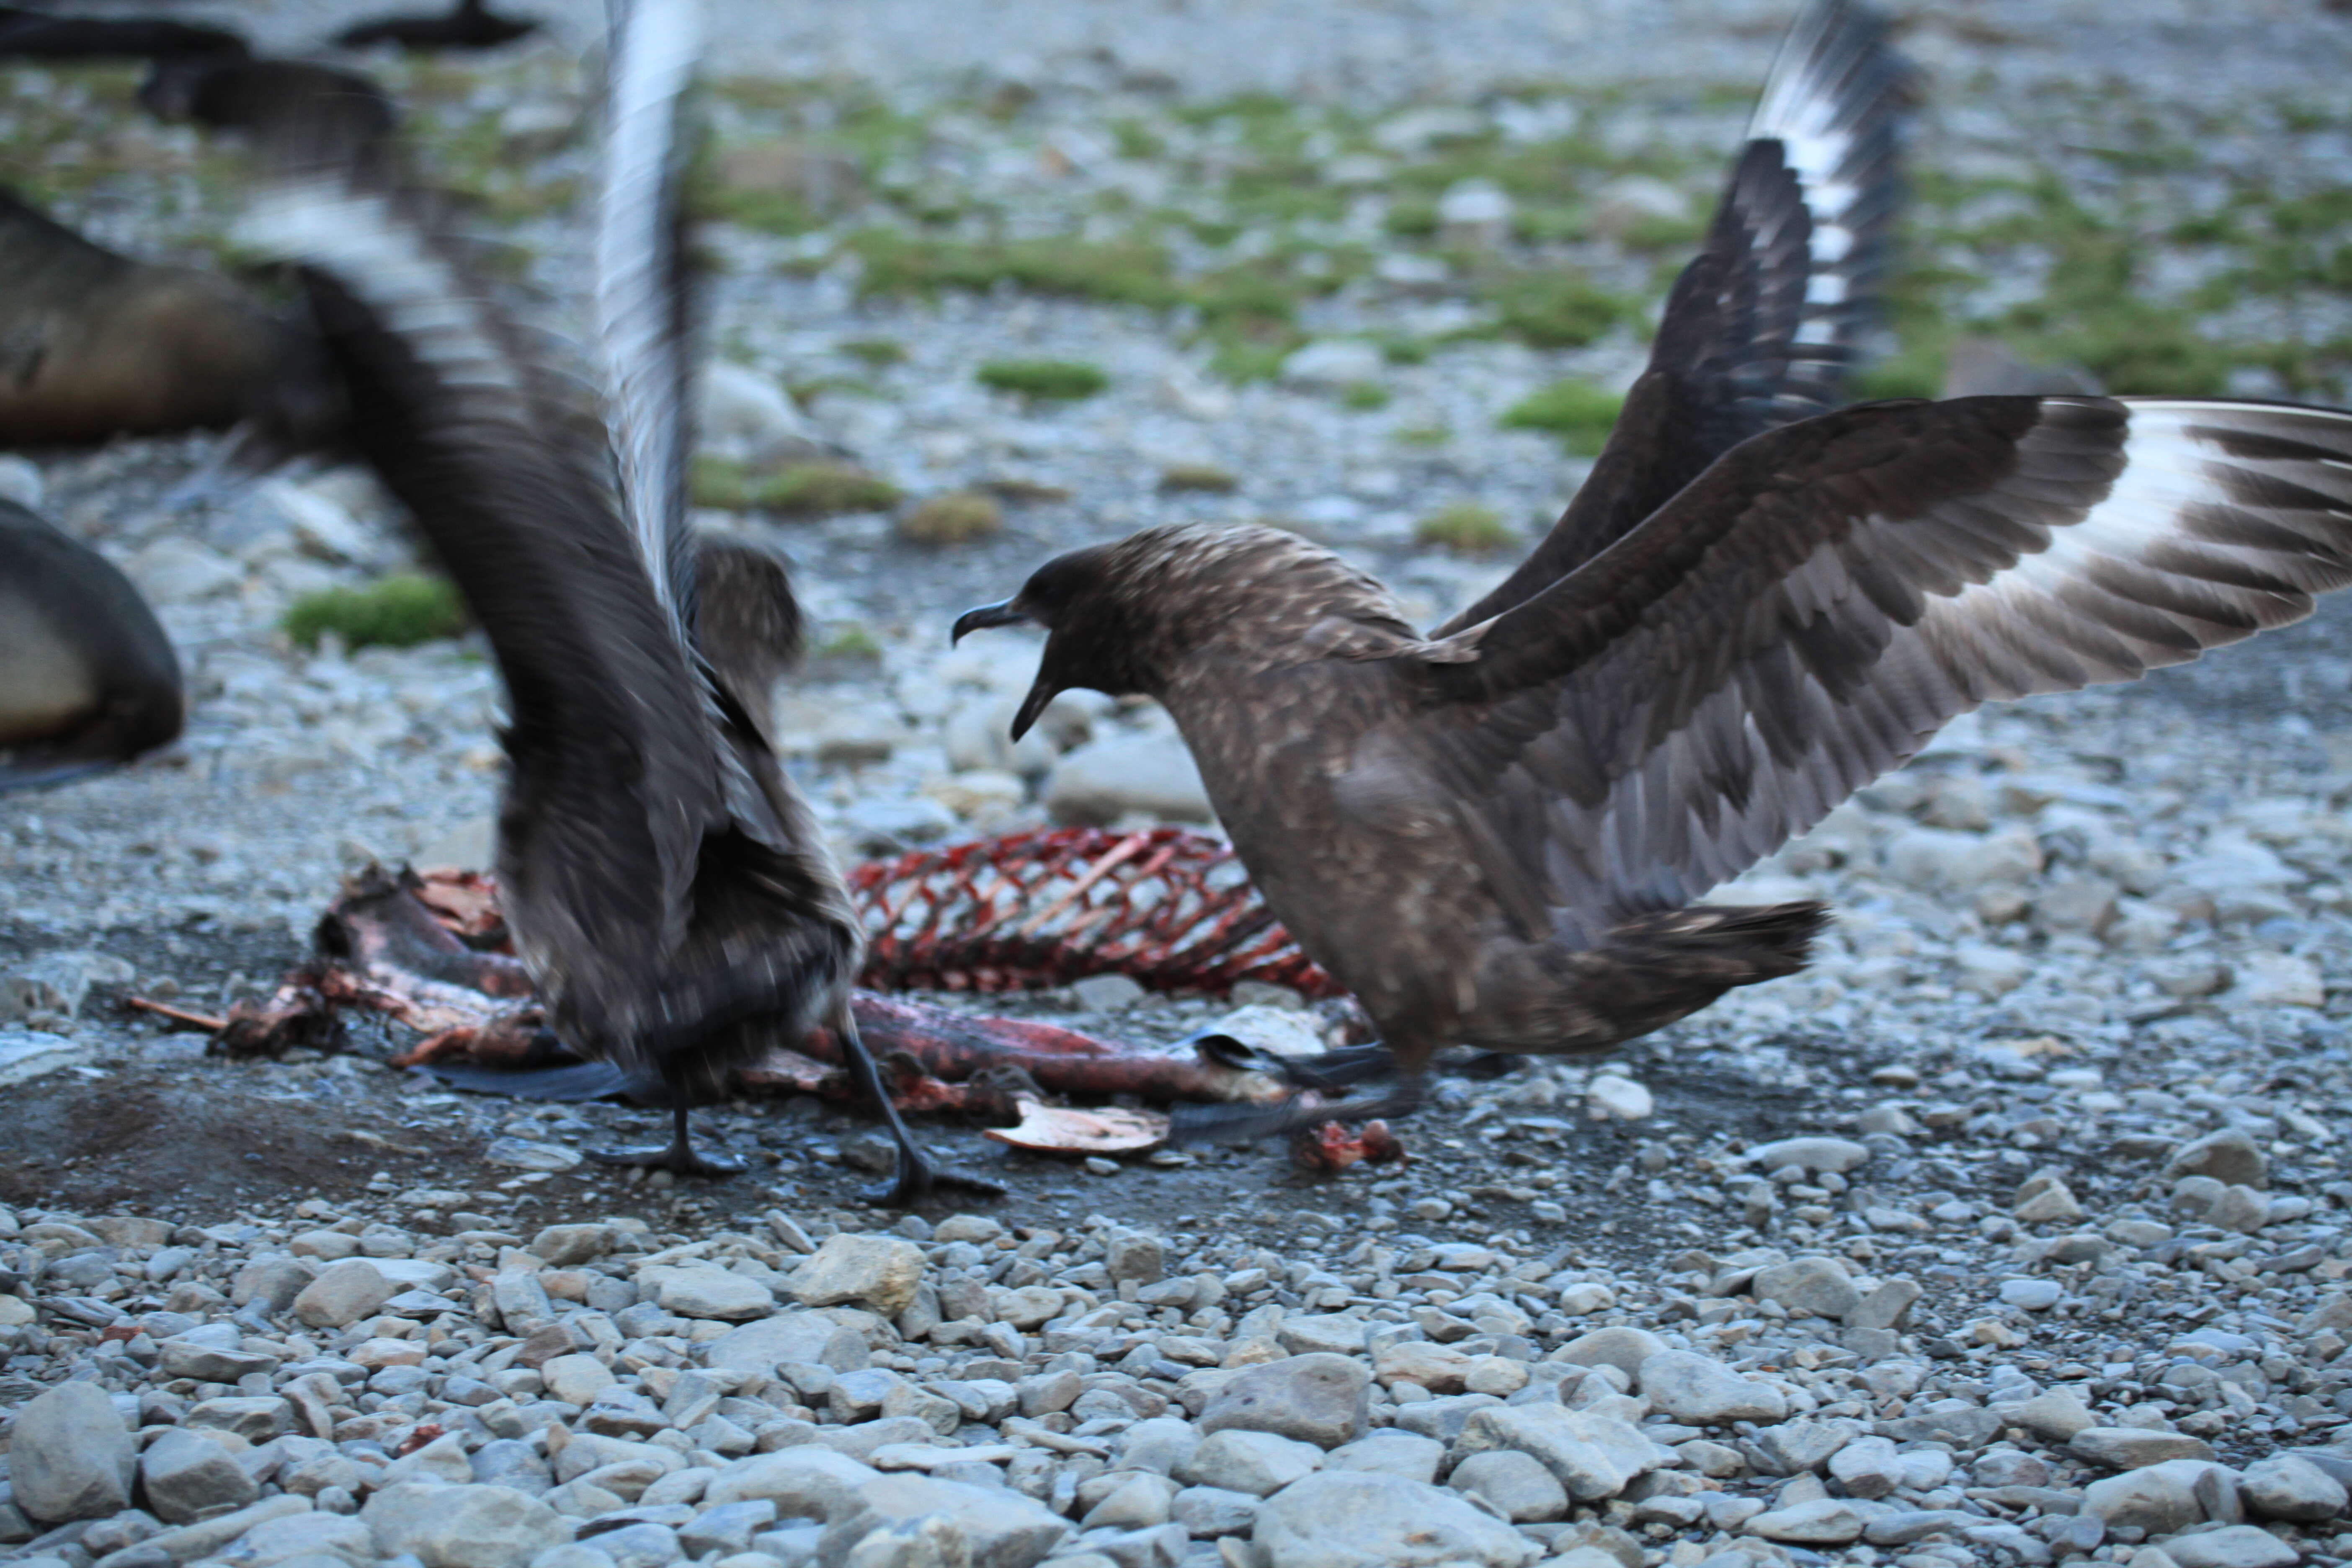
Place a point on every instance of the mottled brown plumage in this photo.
(1493, 837)
(94, 345)
(87, 678)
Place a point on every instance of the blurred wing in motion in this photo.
(642, 293)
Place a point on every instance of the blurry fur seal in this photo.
(87, 678)
(94, 344)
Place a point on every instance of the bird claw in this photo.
(676, 1159)
(914, 1178)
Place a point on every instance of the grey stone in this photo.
(342, 1294)
(1319, 1399)
(2284, 1486)
(808, 1482)
(1134, 1255)
(275, 1282)
(304, 1536)
(1331, 1334)
(1209, 1511)
(463, 1526)
(1795, 1447)
(444, 1459)
(2229, 1156)
(1693, 1388)
(2231, 1546)
(2159, 1499)
(1442, 1418)
(1123, 775)
(728, 1528)
(576, 1379)
(70, 1457)
(204, 1537)
(707, 1292)
(1140, 1500)
(640, 1545)
(1349, 1519)
(1823, 1521)
(2032, 1295)
(790, 1336)
(1837, 1154)
(877, 1272)
(994, 1526)
(256, 1418)
(29, 1054)
(562, 1245)
(184, 1357)
(1519, 1486)
(1241, 1460)
(1159, 1445)
(1815, 1285)
(1402, 1454)
(1593, 1456)
(2055, 1415)
(182, 1475)
(1623, 1348)
(1886, 1307)
(1965, 1426)
(1867, 1467)
(2131, 1447)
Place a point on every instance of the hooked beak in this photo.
(1002, 614)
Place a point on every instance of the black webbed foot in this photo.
(1336, 1069)
(914, 1178)
(915, 1175)
(679, 1157)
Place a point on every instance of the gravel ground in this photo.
(2014, 1231)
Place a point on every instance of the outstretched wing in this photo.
(1759, 328)
(478, 441)
(642, 300)
(1807, 615)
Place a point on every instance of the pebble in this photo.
(875, 1271)
(1104, 780)
(1693, 1388)
(342, 1294)
(1319, 1399)
(462, 1526)
(2129, 1448)
(1348, 1519)
(1259, 1463)
(70, 1457)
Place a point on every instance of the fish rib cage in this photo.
(1171, 909)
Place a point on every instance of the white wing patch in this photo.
(366, 243)
(1810, 106)
(656, 46)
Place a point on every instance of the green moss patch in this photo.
(393, 612)
(1058, 380)
(798, 489)
(1466, 529)
(1580, 414)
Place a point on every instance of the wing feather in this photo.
(641, 300)
(1759, 328)
(1832, 593)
